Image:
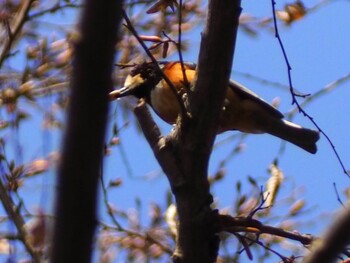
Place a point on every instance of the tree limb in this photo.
(184, 153)
(326, 249)
(81, 162)
(247, 224)
(197, 233)
(18, 24)
(16, 217)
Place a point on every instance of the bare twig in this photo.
(323, 91)
(15, 30)
(261, 206)
(145, 236)
(295, 94)
(149, 54)
(179, 44)
(13, 213)
(337, 194)
(119, 228)
(256, 241)
(247, 224)
(53, 9)
(109, 210)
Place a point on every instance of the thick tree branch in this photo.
(194, 138)
(214, 68)
(184, 154)
(334, 241)
(161, 146)
(81, 162)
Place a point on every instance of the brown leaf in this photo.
(37, 230)
(165, 49)
(292, 12)
(161, 5)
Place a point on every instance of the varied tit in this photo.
(243, 110)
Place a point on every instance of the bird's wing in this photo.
(247, 94)
(242, 91)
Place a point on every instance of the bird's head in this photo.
(140, 81)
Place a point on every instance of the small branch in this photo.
(53, 9)
(337, 194)
(13, 213)
(246, 224)
(119, 228)
(15, 30)
(161, 147)
(179, 44)
(261, 206)
(255, 241)
(295, 95)
(109, 210)
(146, 236)
(149, 54)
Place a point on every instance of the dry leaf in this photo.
(161, 5)
(292, 12)
(273, 185)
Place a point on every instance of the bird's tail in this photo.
(302, 137)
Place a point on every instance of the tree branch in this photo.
(247, 224)
(161, 146)
(15, 216)
(87, 116)
(334, 241)
(184, 153)
(197, 233)
(16, 29)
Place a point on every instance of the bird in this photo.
(242, 110)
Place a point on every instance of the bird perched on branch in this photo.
(243, 110)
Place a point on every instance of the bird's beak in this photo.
(115, 94)
(131, 83)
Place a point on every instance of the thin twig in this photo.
(179, 41)
(14, 32)
(295, 95)
(13, 213)
(109, 210)
(285, 259)
(149, 54)
(261, 205)
(323, 91)
(119, 228)
(53, 9)
(247, 224)
(337, 194)
(146, 236)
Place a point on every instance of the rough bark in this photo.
(184, 154)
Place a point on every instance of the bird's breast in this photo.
(164, 102)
